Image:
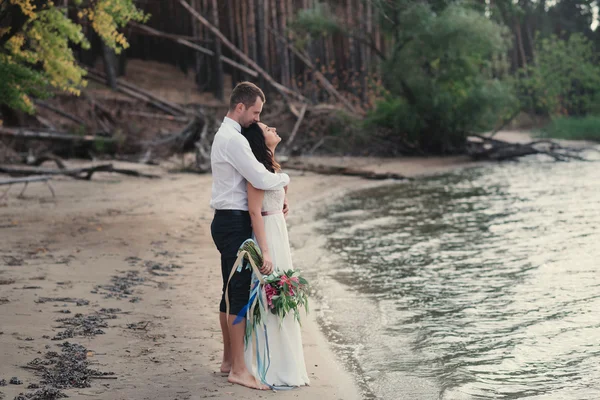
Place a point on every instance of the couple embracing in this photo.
(249, 199)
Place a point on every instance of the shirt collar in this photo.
(233, 124)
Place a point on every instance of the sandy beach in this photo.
(158, 316)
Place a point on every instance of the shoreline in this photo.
(166, 344)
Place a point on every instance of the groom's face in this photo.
(251, 114)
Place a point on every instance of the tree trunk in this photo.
(520, 44)
(197, 33)
(235, 76)
(275, 47)
(528, 30)
(282, 49)
(110, 66)
(368, 55)
(292, 70)
(252, 29)
(240, 16)
(218, 65)
(261, 43)
(351, 50)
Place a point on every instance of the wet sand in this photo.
(165, 342)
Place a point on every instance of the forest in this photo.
(361, 77)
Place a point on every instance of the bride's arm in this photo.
(255, 200)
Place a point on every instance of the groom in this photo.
(233, 163)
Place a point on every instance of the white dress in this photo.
(287, 366)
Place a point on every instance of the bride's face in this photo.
(272, 139)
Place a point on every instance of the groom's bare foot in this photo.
(225, 367)
(246, 379)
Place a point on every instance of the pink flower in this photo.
(284, 279)
(270, 291)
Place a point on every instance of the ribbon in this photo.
(257, 297)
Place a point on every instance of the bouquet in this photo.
(280, 292)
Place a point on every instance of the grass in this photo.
(572, 128)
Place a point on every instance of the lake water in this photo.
(479, 284)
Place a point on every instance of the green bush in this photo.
(564, 80)
(444, 81)
(573, 128)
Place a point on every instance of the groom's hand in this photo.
(286, 207)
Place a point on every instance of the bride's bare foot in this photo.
(225, 367)
(246, 379)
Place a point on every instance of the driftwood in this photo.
(46, 122)
(33, 134)
(97, 106)
(203, 146)
(138, 93)
(156, 116)
(290, 140)
(284, 91)
(183, 140)
(185, 42)
(26, 181)
(60, 112)
(141, 30)
(487, 148)
(77, 173)
(332, 170)
(39, 160)
(175, 107)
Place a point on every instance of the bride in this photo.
(286, 366)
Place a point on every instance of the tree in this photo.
(36, 38)
(565, 79)
(441, 72)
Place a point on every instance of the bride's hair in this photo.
(263, 154)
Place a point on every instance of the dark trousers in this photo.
(229, 230)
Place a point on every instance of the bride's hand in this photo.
(267, 266)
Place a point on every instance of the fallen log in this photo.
(106, 112)
(183, 140)
(26, 181)
(77, 173)
(60, 112)
(333, 170)
(156, 116)
(133, 94)
(33, 134)
(138, 93)
(488, 148)
(187, 43)
(39, 160)
(176, 107)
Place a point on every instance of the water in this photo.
(480, 284)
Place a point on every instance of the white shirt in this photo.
(233, 163)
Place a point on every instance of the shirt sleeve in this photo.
(243, 160)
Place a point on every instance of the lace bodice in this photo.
(273, 200)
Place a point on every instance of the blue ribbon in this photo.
(263, 362)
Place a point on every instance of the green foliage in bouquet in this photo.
(280, 293)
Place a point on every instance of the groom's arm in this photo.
(286, 205)
(244, 161)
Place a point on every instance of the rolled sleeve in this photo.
(244, 161)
